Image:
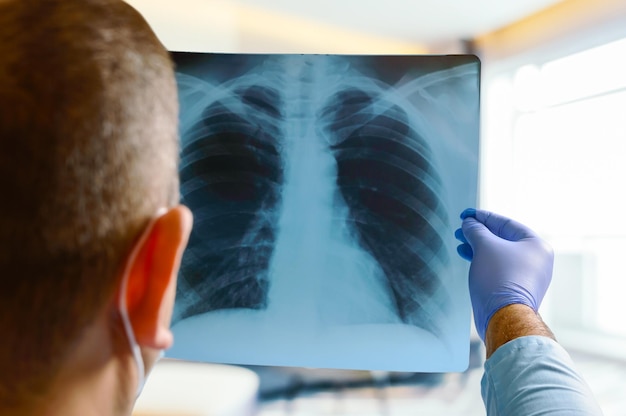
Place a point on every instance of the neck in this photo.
(97, 379)
(91, 394)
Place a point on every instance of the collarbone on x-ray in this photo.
(323, 190)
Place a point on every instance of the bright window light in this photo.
(585, 74)
(527, 88)
(570, 166)
(555, 157)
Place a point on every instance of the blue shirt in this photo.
(533, 376)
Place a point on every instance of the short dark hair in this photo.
(89, 151)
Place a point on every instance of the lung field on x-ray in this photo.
(386, 177)
(231, 175)
(315, 194)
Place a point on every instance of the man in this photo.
(526, 372)
(91, 232)
(90, 229)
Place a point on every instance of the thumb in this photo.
(475, 231)
(497, 225)
(504, 227)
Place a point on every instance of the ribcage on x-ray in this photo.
(233, 163)
(387, 179)
(230, 177)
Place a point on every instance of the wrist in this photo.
(511, 322)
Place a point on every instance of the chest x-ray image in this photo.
(325, 191)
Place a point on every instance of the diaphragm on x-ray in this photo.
(325, 191)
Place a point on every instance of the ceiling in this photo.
(422, 21)
(221, 23)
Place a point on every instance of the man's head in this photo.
(89, 149)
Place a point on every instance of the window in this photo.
(555, 158)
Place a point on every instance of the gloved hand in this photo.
(510, 264)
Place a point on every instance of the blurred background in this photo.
(553, 155)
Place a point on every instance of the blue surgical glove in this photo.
(509, 264)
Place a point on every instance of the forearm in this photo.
(527, 372)
(511, 322)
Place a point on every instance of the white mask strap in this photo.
(122, 306)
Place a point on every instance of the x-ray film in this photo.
(325, 191)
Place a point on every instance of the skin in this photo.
(511, 322)
(101, 377)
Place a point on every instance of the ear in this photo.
(151, 284)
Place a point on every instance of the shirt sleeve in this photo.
(533, 376)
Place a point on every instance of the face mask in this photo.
(130, 334)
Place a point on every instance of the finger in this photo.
(474, 231)
(504, 227)
(458, 234)
(465, 251)
(468, 212)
